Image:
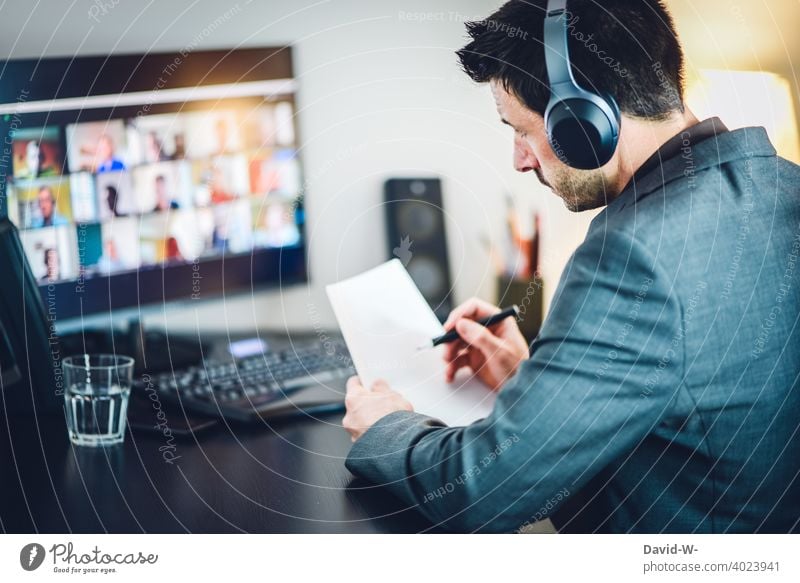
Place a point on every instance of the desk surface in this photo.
(286, 478)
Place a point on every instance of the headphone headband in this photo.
(556, 49)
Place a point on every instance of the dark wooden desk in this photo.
(287, 478)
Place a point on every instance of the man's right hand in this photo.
(494, 354)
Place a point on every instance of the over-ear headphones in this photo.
(582, 126)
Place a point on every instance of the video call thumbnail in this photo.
(275, 171)
(158, 138)
(163, 186)
(274, 222)
(119, 246)
(212, 134)
(52, 253)
(220, 179)
(43, 202)
(83, 197)
(97, 147)
(101, 197)
(115, 195)
(269, 127)
(37, 152)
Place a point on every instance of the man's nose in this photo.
(524, 160)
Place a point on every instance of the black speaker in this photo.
(416, 236)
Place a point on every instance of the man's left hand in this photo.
(365, 406)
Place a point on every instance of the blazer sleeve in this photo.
(603, 371)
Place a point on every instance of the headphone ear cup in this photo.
(581, 133)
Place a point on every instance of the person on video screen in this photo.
(218, 185)
(35, 162)
(223, 135)
(154, 148)
(112, 200)
(48, 212)
(164, 201)
(105, 159)
(110, 260)
(53, 272)
(180, 147)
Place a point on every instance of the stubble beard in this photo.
(580, 190)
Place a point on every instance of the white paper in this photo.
(384, 319)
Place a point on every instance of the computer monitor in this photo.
(136, 180)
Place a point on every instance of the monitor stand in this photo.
(153, 350)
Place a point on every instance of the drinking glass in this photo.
(96, 395)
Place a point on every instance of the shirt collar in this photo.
(678, 143)
(665, 164)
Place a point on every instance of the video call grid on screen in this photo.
(106, 190)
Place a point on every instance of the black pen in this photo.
(453, 335)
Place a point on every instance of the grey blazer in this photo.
(662, 392)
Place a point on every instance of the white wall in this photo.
(380, 95)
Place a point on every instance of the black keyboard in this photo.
(306, 379)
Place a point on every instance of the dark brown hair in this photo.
(626, 48)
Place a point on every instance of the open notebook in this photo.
(384, 318)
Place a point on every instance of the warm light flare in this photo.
(748, 98)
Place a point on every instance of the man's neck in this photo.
(640, 139)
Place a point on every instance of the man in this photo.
(154, 149)
(110, 261)
(105, 157)
(661, 394)
(164, 201)
(35, 165)
(52, 267)
(48, 212)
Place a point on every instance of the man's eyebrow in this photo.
(505, 121)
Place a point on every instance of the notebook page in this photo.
(384, 318)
